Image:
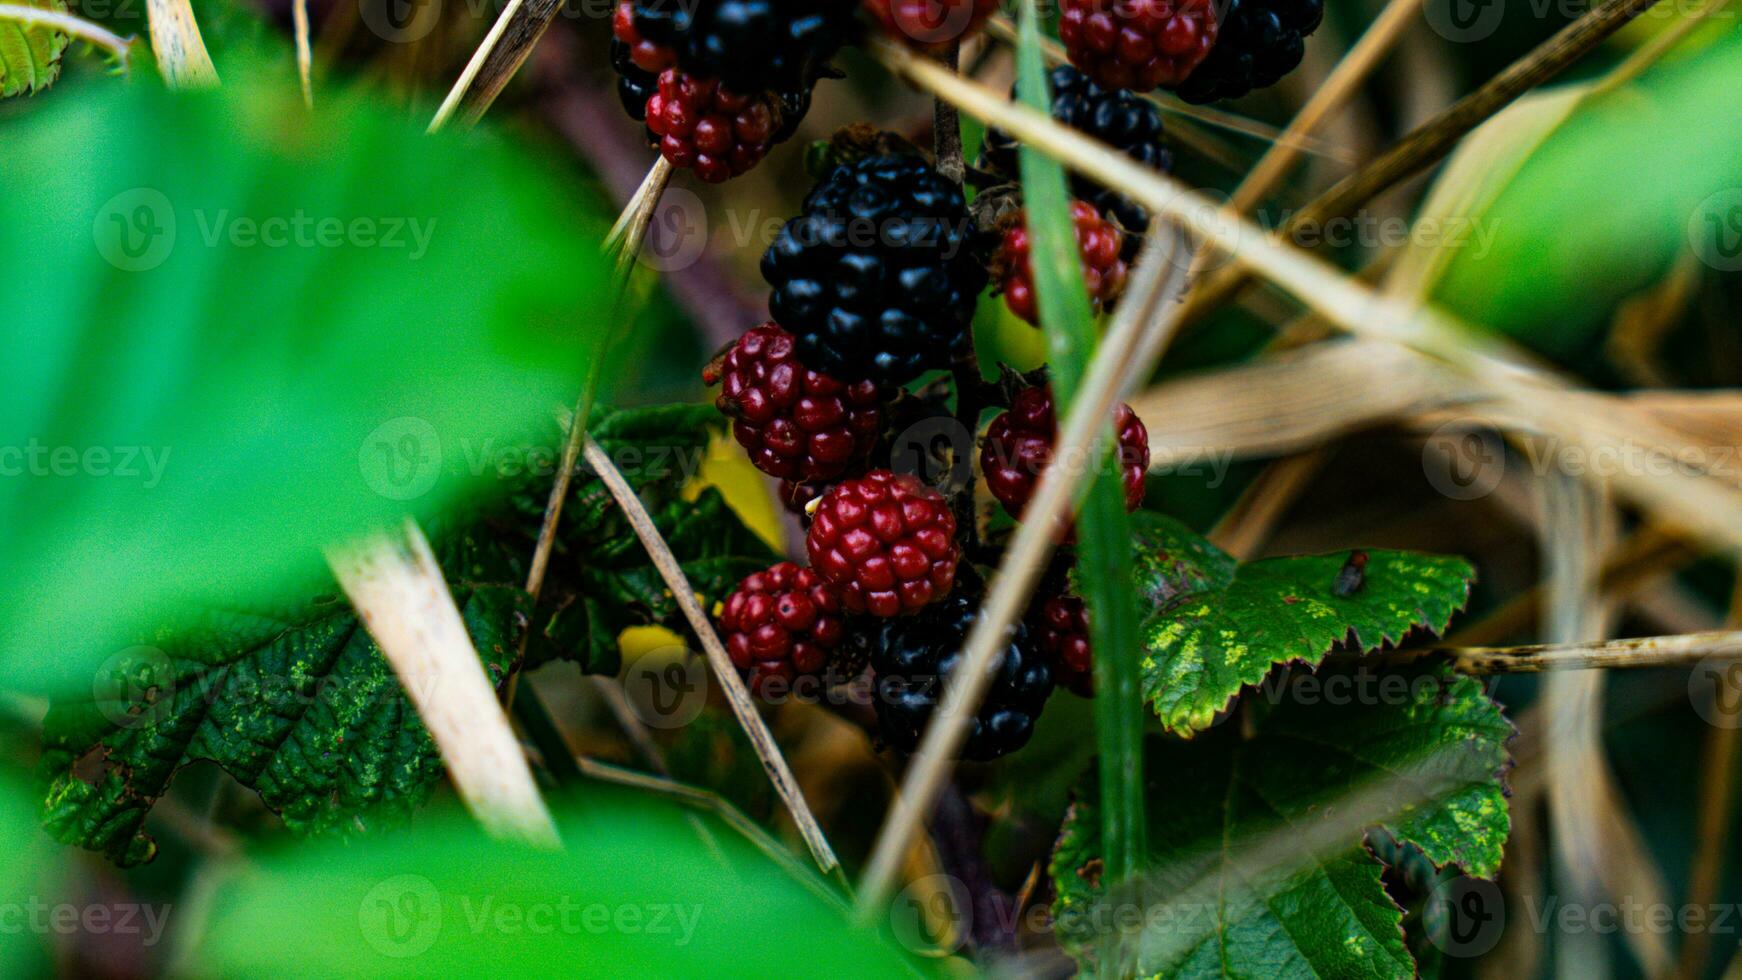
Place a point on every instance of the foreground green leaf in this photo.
(640, 890)
(230, 349)
(29, 55)
(1216, 625)
(1257, 865)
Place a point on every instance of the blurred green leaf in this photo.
(241, 332)
(1603, 200)
(643, 889)
(30, 56)
(1215, 626)
(1103, 570)
(1242, 885)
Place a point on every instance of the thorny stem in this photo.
(965, 369)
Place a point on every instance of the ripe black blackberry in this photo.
(914, 658)
(1260, 41)
(1118, 118)
(750, 45)
(876, 278)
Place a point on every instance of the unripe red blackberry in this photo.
(1060, 626)
(1138, 44)
(781, 623)
(1020, 442)
(796, 424)
(1100, 243)
(705, 127)
(886, 541)
(930, 25)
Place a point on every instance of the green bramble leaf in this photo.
(1216, 625)
(1256, 862)
(30, 55)
(298, 705)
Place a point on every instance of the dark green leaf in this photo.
(300, 706)
(1216, 626)
(1257, 865)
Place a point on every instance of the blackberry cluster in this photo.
(1260, 41)
(1061, 628)
(914, 658)
(1100, 244)
(876, 278)
(1138, 44)
(930, 25)
(749, 45)
(1116, 117)
(797, 425)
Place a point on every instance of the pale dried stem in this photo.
(1243, 529)
(469, 74)
(1681, 651)
(1140, 330)
(397, 588)
(1716, 795)
(1592, 423)
(499, 56)
(177, 44)
(71, 26)
(737, 695)
(304, 54)
(1344, 80)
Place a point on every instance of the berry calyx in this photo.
(1100, 243)
(1137, 44)
(1260, 41)
(886, 541)
(797, 424)
(876, 278)
(1019, 448)
(780, 624)
(1127, 122)
(930, 25)
(914, 657)
(1061, 631)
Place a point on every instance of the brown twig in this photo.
(1716, 795)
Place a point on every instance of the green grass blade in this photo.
(1104, 567)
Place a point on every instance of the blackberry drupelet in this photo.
(914, 657)
(1260, 41)
(876, 278)
(1100, 244)
(1138, 44)
(1118, 118)
(750, 45)
(796, 424)
(1061, 629)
